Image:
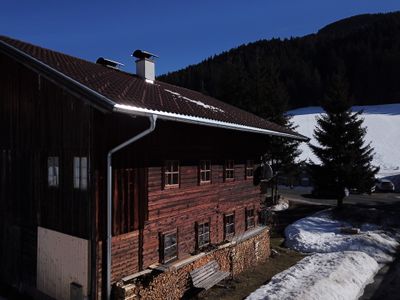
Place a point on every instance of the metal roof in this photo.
(127, 93)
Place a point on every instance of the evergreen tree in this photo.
(271, 104)
(345, 158)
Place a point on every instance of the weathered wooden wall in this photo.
(182, 207)
(38, 119)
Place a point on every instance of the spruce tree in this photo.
(345, 157)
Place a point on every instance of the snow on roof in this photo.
(179, 96)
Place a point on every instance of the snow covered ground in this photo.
(321, 233)
(382, 122)
(282, 205)
(340, 266)
(338, 275)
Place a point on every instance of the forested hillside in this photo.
(284, 74)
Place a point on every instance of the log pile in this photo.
(124, 291)
(175, 281)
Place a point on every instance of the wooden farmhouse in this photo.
(118, 184)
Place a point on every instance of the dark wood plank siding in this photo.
(38, 119)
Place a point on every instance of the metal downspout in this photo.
(153, 119)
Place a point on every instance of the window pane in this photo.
(52, 171)
(175, 179)
(168, 166)
(76, 172)
(169, 178)
(84, 173)
(201, 229)
(170, 240)
(170, 246)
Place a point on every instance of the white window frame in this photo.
(169, 173)
(80, 173)
(204, 235)
(205, 169)
(250, 220)
(53, 171)
(249, 168)
(229, 169)
(229, 225)
(166, 248)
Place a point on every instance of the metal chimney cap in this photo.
(109, 63)
(141, 54)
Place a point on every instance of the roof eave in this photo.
(139, 111)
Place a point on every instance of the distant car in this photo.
(357, 191)
(384, 185)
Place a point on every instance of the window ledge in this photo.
(171, 186)
(205, 182)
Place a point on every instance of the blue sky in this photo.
(180, 32)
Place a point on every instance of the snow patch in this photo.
(321, 233)
(199, 103)
(282, 205)
(382, 123)
(339, 275)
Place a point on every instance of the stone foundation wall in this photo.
(234, 257)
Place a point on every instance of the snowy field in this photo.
(383, 131)
(340, 275)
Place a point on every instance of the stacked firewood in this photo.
(123, 291)
(168, 286)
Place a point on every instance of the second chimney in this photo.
(145, 66)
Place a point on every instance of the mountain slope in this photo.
(382, 123)
(365, 48)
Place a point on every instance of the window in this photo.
(205, 171)
(53, 171)
(229, 170)
(250, 220)
(169, 247)
(171, 173)
(229, 225)
(203, 234)
(80, 173)
(249, 169)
